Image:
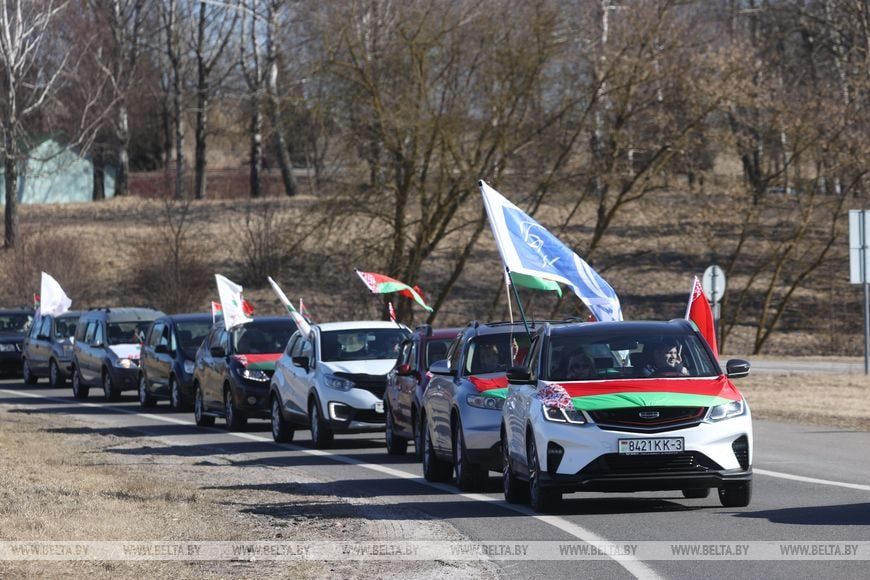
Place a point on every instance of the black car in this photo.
(166, 362)
(106, 350)
(48, 348)
(407, 383)
(14, 325)
(233, 369)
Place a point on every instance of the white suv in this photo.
(332, 380)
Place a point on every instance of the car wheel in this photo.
(145, 398)
(434, 469)
(27, 374)
(515, 490)
(109, 392)
(175, 398)
(282, 432)
(418, 437)
(199, 415)
(395, 445)
(54, 376)
(321, 435)
(736, 494)
(542, 499)
(235, 418)
(467, 476)
(80, 391)
(696, 493)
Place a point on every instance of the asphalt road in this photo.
(812, 484)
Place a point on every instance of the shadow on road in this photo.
(826, 515)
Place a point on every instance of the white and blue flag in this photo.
(526, 247)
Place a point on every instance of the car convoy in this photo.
(555, 406)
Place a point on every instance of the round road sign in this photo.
(713, 283)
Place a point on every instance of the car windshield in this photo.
(361, 344)
(654, 355)
(262, 338)
(15, 323)
(191, 333)
(127, 332)
(65, 327)
(493, 353)
(436, 349)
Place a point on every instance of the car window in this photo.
(15, 323)
(90, 331)
(44, 327)
(262, 338)
(495, 352)
(361, 344)
(154, 334)
(190, 334)
(436, 350)
(132, 332)
(65, 327)
(98, 334)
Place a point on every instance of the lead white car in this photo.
(625, 426)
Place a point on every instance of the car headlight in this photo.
(338, 383)
(726, 411)
(67, 349)
(494, 403)
(254, 375)
(188, 367)
(125, 363)
(7, 348)
(558, 415)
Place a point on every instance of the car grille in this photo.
(741, 451)
(375, 384)
(615, 464)
(369, 416)
(648, 419)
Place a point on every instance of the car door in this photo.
(39, 347)
(439, 397)
(300, 379)
(406, 385)
(215, 360)
(162, 361)
(87, 356)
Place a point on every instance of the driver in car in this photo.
(667, 362)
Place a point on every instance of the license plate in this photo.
(652, 445)
(379, 407)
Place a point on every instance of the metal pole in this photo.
(866, 329)
(519, 304)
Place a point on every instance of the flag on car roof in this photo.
(301, 321)
(698, 311)
(380, 284)
(231, 302)
(52, 299)
(526, 247)
(534, 282)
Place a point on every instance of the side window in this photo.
(214, 339)
(99, 333)
(533, 358)
(90, 332)
(164, 337)
(45, 327)
(295, 346)
(411, 354)
(225, 341)
(455, 353)
(154, 334)
(305, 348)
(173, 341)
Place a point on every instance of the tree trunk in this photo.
(99, 171)
(201, 135)
(11, 182)
(256, 160)
(290, 186)
(179, 144)
(123, 177)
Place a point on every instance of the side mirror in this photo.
(519, 375)
(440, 367)
(737, 368)
(405, 370)
(161, 349)
(302, 362)
(98, 344)
(217, 351)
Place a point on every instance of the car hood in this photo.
(360, 367)
(665, 392)
(130, 351)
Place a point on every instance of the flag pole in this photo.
(691, 294)
(519, 303)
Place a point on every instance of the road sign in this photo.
(713, 283)
(859, 236)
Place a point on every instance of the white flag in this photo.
(231, 302)
(52, 299)
(300, 321)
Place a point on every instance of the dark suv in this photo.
(106, 350)
(14, 324)
(48, 348)
(166, 362)
(407, 383)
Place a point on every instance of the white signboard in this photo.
(859, 256)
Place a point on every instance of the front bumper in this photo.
(252, 398)
(124, 379)
(353, 411)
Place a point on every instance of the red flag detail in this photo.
(247, 308)
(700, 313)
(392, 312)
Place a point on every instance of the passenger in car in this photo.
(580, 367)
(667, 361)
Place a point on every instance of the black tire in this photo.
(736, 494)
(55, 379)
(543, 500)
(515, 490)
(109, 392)
(696, 493)
(145, 398)
(467, 476)
(27, 374)
(234, 418)
(282, 431)
(434, 469)
(321, 434)
(418, 436)
(396, 445)
(176, 400)
(79, 389)
(199, 415)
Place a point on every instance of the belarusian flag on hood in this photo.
(380, 284)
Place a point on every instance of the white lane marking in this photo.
(811, 479)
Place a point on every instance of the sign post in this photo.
(713, 283)
(859, 268)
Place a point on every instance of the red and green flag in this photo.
(380, 284)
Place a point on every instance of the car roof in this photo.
(625, 327)
(441, 333)
(487, 328)
(123, 314)
(359, 325)
(188, 317)
(68, 314)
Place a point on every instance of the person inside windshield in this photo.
(580, 367)
(667, 361)
(487, 359)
